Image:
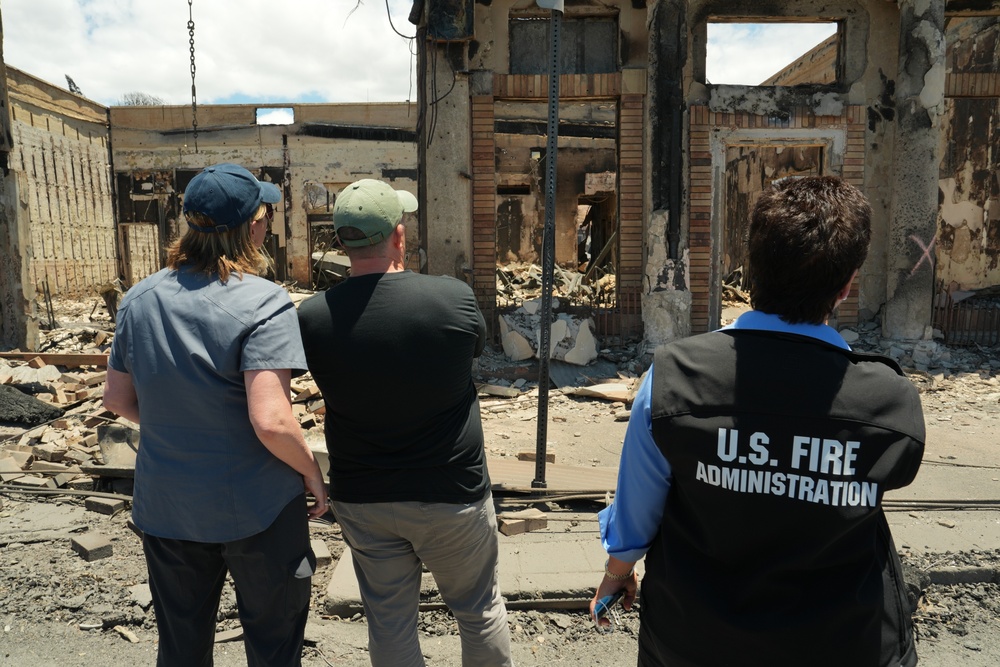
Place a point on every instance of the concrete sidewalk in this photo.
(559, 566)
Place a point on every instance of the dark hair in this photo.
(807, 236)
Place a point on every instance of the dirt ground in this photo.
(57, 609)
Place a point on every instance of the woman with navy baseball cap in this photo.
(202, 359)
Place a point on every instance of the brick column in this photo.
(484, 236)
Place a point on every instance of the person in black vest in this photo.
(755, 461)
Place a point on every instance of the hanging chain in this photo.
(194, 95)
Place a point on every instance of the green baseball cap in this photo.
(373, 207)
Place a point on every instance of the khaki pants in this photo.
(458, 544)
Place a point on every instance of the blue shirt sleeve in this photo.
(629, 525)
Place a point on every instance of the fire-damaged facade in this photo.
(685, 157)
(657, 166)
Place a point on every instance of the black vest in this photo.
(773, 549)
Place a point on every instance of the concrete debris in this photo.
(571, 337)
(141, 595)
(91, 546)
(109, 506)
(524, 521)
(322, 553)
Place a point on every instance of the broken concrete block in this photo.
(49, 452)
(585, 349)
(81, 483)
(310, 392)
(322, 553)
(34, 481)
(9, 469)
(36, 362)
(63, 478)
(104, 505)
(511, 527)
(21, 457)
(49, 466)
(141, 595)
(94, 379)
(91, 546)
(317, 407)
(52, 436)
(534, 519)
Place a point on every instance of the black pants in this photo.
(272, 592)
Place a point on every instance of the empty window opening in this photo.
(772, 54)
(750, 169)
(276, 116)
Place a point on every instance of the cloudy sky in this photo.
(249, 51)
(245, 50)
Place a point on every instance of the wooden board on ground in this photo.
(510, 475)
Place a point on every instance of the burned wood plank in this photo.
(60, 358)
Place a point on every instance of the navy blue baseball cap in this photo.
(228, 194)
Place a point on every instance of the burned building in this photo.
(658, 166)
(686, 156)
(57, 223)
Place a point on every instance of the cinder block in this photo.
(104, 505)
(513, 526)
(49, 452)
(91, 546)
(322, 553)
(532, 519)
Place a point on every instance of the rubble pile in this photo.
(520, 282)
(571, 337)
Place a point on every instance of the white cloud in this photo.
(748, 53)
(308, 50)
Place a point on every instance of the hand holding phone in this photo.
(605, 607)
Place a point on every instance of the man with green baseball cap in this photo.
(373, 208)
(392, 352)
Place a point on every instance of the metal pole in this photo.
(548, 252)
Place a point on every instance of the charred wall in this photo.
(60, 162)
(968, 248)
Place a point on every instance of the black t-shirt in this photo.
(392, 354)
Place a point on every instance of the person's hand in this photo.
(317, 487)
(608, 587)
